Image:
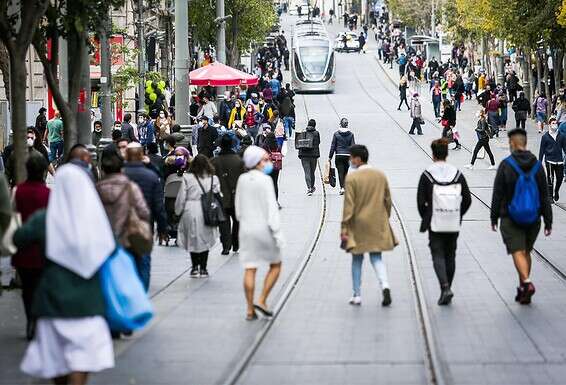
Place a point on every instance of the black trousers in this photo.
(229, 230)
(443, 250)
(275, 178)
(403, 99)
(342, 166)
(520, 123)
(416, 124)
(199, 259)
(485, 144)
(554, 177)
(30, 280)
(309, 167)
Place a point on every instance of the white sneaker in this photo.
(470, 166)
(492, 167)
(356, 300)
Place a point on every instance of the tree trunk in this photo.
(558, 69)
(18, 76)
(5, 69)
(546, 86)
(234, 53)
(530, 95)
(539, 73)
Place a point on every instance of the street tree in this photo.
(19, 21)
(250, 22)
(74, 21)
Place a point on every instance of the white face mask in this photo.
(141, 120)
(30, 142)
(553, 127)
(162, 116)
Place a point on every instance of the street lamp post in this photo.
(181, 62)
(141, 56)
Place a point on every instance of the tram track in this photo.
(435, 372)
(242, 365)
(547, 261)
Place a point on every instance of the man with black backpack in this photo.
(519, 199)
(308, 144)
(443, 197)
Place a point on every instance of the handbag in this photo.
(127, 304)
(332, 177)
(137, 235)
(212, 210)
(444, 122)
(7, 246)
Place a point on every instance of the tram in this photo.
(313, 66)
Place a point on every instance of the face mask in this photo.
(162, 116)
(141, 120)
(30, 142)
(268, 168)
(97, 129)
(553, 127)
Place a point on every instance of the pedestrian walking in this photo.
(274, 150)
(519, 200)
(416, 115)
(342, 140)
(309, 155)
(151, 187)
(552, 148)
(29, 197)
(128, 129)
(448, 122)
(436, 96)
(492, 110)
(484, 133)
(194, 235)
(362, 43)
(540, 106)
(54, 136)
(96, 132)
(443, 198)
(41, 122)
(522, 109)
(403, 93)
(228, 167)
(503, 101)
(365, 221)
(207, 136)
(72, 337)
(261, 238)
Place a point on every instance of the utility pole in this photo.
(181, 62)
(221, 32)
(105, 81)
(433, 19)
(141, 56)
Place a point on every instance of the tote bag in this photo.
(127, 304)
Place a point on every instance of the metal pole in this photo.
(105, 89)
(220, 33)
(141, 56)
(83, 116)
(433, 19)
(181, 62)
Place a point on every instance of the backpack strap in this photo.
(513, 163)
(434, 181)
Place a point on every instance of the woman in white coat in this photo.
(261, 238)
(193, 235)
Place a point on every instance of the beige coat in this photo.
(367, 207)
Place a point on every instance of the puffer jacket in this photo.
(416, 112)
(116, 198)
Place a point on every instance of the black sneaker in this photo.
(386, 297)
(445, 297)
(194, 273)
(225, 252)
(528, 292)
(203, 273)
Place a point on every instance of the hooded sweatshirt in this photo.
(342, 140)
(504, 187)
(442, 172)
(305, 153)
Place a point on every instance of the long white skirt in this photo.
(65, 345)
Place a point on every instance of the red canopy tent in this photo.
(218, 75)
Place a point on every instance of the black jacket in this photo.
(504, 187)
(341, 143)
(450, 115)
(521, 104)
(424, 199)
(550, 149)
(206, 139)
(152, 190)
(311, 152)
(128, 132)
(228, 167)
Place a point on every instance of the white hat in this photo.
(253, 155)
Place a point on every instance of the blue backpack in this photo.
(524, 208)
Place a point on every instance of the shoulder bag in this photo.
(212, 210)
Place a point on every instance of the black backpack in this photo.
(212, 210)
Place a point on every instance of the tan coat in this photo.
(367, 207)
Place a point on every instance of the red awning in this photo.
(217, 74)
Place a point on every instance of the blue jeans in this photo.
(143, 266)
(56, 150)
(288, 122)
(436, 105)
(378, 267)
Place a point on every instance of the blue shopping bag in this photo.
(127, 304)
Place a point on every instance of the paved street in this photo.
(199, 334)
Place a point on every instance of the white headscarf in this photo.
(79, 236)
(253, 155)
